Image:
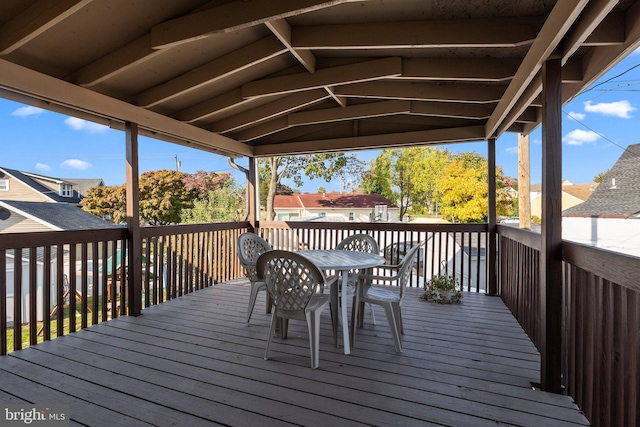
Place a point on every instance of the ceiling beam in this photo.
(474, 33)
(341, 75)
(235, 61)
(116, 62)
(610, 31)
(209, 107)
(230, 17)
(360, 111)
(49, 89)
(435, 136)
(594, 18)
(451, 109)
(34, 21)
(560, 20)
(280, 107)
(465, 93)
(460, 69)
(281, 29)
(600, 59)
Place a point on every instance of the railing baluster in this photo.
(3, 302)
(33, 296)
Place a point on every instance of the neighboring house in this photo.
(572, 195)
(82, 185)
(30, 187)
(335, 207)
(20, 217)
(610, 218)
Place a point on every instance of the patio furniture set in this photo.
(296, 285)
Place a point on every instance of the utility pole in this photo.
(178, 163)
(524, 195)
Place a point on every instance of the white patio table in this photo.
(342, 261)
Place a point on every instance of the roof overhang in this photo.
(262, 78)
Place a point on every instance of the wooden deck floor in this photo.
(193, 361)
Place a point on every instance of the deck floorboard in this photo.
(194, 361)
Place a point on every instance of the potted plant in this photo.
(443, 289)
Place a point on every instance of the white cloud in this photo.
(42, 167)
(27, 111)
(617, 109)
(79, 124)
(580, 137)
(513, 150)
(75, 164)
(577, 116)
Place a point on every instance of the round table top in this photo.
(337, 259)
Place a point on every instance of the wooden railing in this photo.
(601, 321)
(53, 283)
(454, 249)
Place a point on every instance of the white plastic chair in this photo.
(295, 285)
(388, 297)
(250, 247)
(361, 243)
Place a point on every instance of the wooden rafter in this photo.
(232, 16)
(34, 21)
(488, 32)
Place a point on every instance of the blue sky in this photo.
(597, 126)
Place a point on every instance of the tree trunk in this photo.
(273, 185)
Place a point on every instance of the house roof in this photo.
(60, 216)
(261, 78)
(332, 200)
(29, 179)
(618, 195)
(82, 185)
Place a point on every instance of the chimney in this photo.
(324, 194)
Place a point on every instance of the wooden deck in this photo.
(193, 361)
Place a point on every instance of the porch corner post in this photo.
(551, 253)
(492, 247)
(253, 193)
(134, 254)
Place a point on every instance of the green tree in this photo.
(600, 177)
(106, 202)
(225, 204)
(163, 196)
(408, 177)
(464, 190)
(327, 166)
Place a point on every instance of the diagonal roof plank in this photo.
(229, 17)
(214, 85)
(556, 26)
(353, 73)
(271, 110)
(245, 57)
(34, 21)
(281, 29)
(594, 14)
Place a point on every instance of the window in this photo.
(352, 216)
(66, 190)
(322, 214)
(4, 185)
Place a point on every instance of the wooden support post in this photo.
(253, 193)
(551, 253)
(492, 278)
(134, 252)
(524, 181)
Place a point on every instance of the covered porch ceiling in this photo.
(276, 77)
